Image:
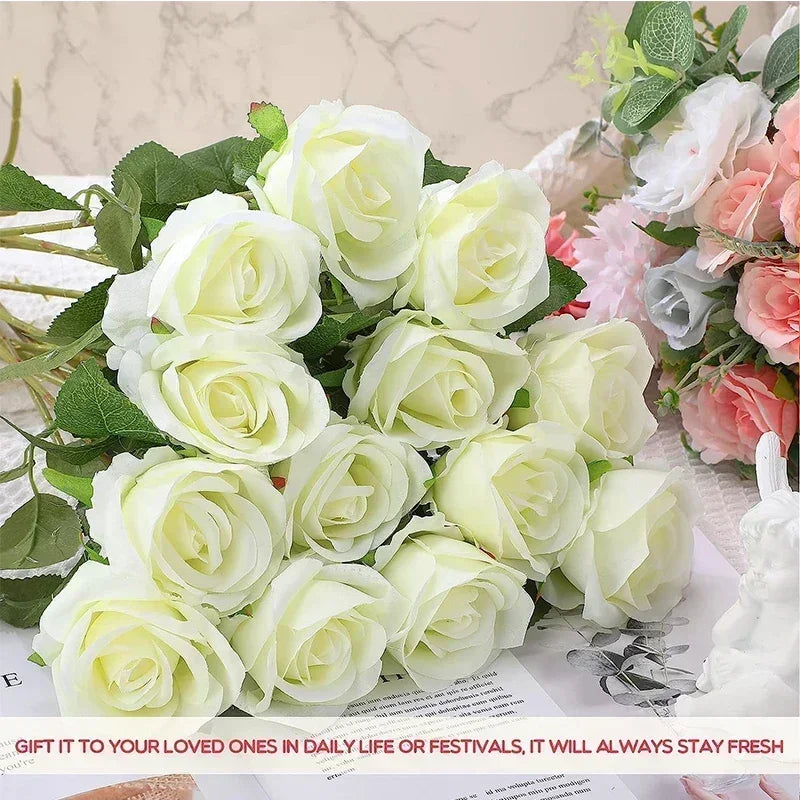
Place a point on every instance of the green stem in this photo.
(33, 288)
(702, 362)
(16, 116)
(45, 227)
(41, 246)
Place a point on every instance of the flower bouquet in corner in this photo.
(322, 419)
(701, 250)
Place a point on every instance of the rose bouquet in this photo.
(701, 250)
(323, 421)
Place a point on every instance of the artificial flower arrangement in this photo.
(324, 420)
(701, 250)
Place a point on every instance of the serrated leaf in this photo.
(76, 319)
(22, 602)
(668, 35)
(598, 468)
(677, 237)
(781, 63)
(160, 175)
(21, 192)
(639, 12)
(267, 120)
(42, 532)
(729, 37)
(437, 171)
(565, 286)
(117, 227)
(89, 406)
(74, 453)
(248, 157)
(213, 166)
(643, 99)
(79, 488)
(52, 360)
(332, 329)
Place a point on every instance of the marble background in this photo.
(482, 79)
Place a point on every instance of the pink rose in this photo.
(726, 421)
(768, 307)
(789, 204)
(787, 139)
(746, 205)
(563, 249)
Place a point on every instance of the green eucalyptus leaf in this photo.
(161, 176)
(213, 166)
(642, 101)
(22, 192)
(781, 63)
(76, 319)
(633, 29)
(727, 41)
(437, 171)
(786, 92)
(117, 227)
(668, 35)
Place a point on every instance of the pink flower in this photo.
(787, 139)
(613, 260)
(789, 203)
(727, 421)
(746, 205)
(564, 250)
(768, 307)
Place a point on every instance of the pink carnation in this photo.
(726, 421)
(787, 139)
(563, 249)
(768, 307)
(789, 203)
(613, 260)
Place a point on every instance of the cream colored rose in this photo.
(635, 557)
(590, 379)
(216, 266)
(118, 647)
(463, 606)
(347, 491)
(521, 496)
(353, 175)
(430, 386)
(206, 532)
(237, 396)
(481, 259)
(316, 637)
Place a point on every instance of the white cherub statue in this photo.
(752, 669)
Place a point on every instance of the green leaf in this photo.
(783, 389)
(633, 30)
(522, 399)
(74, 453)
(727, 41)
(668, 35)
(213, 166)
(12, 474)
(89, 406)
(642, 101)
(52, 360)
(332, 329)
(565, 286)
(267, 120)
(22, 602)
(677, 237)
(331, 379)
(786, 92)
(117, 227)
(75, 320)
(85, 470)
(79, 488)
(162, 177)
(92, 550)
(42, 532)
(248, 157)
(598, 469)
(20, 192)
(437, 171)
(152, 227)
(587, 139)
(680, 361)
(781, 63)
(35, 658)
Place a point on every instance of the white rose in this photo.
(635, 557)
(316, 637)
(206, 532)
(353, 176)
(430, 386)
(237, 396)
(117, 646)
(347, 491)
(590, 379)
(481, 259)
(521, 496)
(216, 266)
(702, 136)
(464, 607)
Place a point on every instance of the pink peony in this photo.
(746, 205)
(726, 421)
(787, 139)
(789, 212)
(564, 250)
(613, 261)
(768, 307)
